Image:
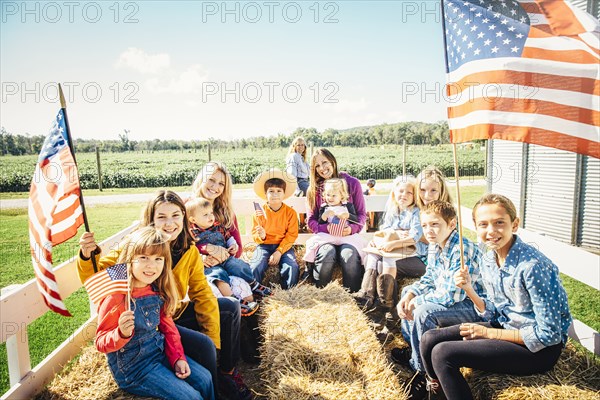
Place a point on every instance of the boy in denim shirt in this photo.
(436, 291)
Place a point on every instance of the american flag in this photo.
(258, 211)
(106, 282)
(337, 226)
(54, 209)
(525, 71)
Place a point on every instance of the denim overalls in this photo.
(141, 366)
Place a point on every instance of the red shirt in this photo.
(109, 339)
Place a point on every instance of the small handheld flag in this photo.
(337, 226)
(258, 211)
(106, 282)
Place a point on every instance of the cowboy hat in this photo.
(259, 182)
(382, 237)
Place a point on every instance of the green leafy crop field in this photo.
(175, 168)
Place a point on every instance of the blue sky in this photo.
(189, 70)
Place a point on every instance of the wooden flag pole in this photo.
(458, 211)
(63, 105)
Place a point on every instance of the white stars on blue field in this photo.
(480, 29)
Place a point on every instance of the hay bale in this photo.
(87, 377)
(575, 376)
(317, 344)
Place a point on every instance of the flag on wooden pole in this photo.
(54, 209)
(524, 71)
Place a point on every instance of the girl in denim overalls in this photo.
(141, 342)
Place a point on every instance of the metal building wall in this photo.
(550, 192)
(588, 233)
(505, 170)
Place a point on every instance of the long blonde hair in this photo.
(222, 206)
(391, 206)
(435, 174)
(315, 178)
(150, 241)
(292, 148)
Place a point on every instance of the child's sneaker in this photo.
(261, 290)
(232, 386)
(417, 387)
(401, 356)
(248, 307)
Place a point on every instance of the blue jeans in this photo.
(200, 348)
(430, 316)
(347, 257)
(141, 366)
(288, 266)
(229, 319)
(231, 267)
(303, 184)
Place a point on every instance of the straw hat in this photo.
(259, 182)
(382, 237)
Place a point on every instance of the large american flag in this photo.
(106, 282)
(54, 209)
(525, 71)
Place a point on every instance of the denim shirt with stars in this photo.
(526, 294)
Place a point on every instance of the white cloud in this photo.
(189, 81)
(397, 116)
(140, 61)
(347, 106)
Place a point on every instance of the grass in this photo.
(46, 333)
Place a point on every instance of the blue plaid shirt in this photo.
(437, 285)
(526, 294)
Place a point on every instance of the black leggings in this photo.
(444, 352)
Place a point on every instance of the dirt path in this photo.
(143, 197)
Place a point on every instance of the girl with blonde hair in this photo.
(140, 339)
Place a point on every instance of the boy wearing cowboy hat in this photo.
(275, 227)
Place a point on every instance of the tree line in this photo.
(414, 133)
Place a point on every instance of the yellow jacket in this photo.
(189, 274)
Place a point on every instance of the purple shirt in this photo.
(356, 198)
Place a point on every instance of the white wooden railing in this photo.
(22, 304)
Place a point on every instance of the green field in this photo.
(179, 168)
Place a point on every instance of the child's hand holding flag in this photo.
(337, 226)
(260, 214)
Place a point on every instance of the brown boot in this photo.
(365, 297)
(386, 285)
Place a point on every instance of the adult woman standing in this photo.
(296, 165)
(323, 167)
